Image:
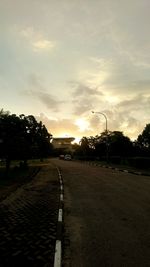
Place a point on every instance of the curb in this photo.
(58, 245)
(121, 170)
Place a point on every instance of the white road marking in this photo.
(61, 197)
(61, 187)
(57, 259)
(58, 245)
(60, 213)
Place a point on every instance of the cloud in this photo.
(38, 42)
(129, 116)
(59, 127)
(84, 98)
(116, 77)
(28, 32)
(43, 45)
(126, 116)
(129, 32)
(84, 90)
(70, 127)
(37, 90)
(135, 103)
(83, 106)
(117, 120)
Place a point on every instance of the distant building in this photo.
(64, 143)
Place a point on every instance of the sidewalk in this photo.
(28, 221)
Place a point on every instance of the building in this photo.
(63, 143)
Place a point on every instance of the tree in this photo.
(22, 137)
(144, 138)
(37, 137)
(83, 150)
(43, 141)
(102, 144)
(108, 143)
(143, 141)
(12, 142)
(119, 144)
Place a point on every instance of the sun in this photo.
(82, 124)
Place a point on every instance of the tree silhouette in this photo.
(22, 137)
(144, 138)
(142, 144)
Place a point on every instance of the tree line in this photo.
(115, 147)
(23, 138)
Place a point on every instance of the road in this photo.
(106, 217)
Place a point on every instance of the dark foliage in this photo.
(108, 143)
(143, 141)
(116, 148)
(22, 137)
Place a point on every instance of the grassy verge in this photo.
(18, 176)
(123, 167)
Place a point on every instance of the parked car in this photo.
(67, 157)
(61, 156)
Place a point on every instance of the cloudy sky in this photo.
(61, 59)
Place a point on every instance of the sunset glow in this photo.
(82, 124)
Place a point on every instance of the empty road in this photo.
(106, 217)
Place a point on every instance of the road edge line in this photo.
(58, 245)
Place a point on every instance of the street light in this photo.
(103, 115)
(106, 132)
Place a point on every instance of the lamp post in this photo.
(106, 129)
(104, 117)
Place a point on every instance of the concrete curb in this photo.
(58, 245)
(121, 170)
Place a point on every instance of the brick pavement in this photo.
(28, 221)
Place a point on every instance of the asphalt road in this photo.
(106, 217)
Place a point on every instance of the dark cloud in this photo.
(84, 90)
(84, 98)
(136, 103)
(37, 90)
(48, 100)
(82, 106)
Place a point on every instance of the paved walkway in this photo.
(28, 221)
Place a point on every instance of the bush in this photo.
(139, 162)
(115, 160)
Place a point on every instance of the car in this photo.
(61, 156)
(67, 157)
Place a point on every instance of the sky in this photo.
(61, 59)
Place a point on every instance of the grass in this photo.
(124, 167)
(17, 176)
